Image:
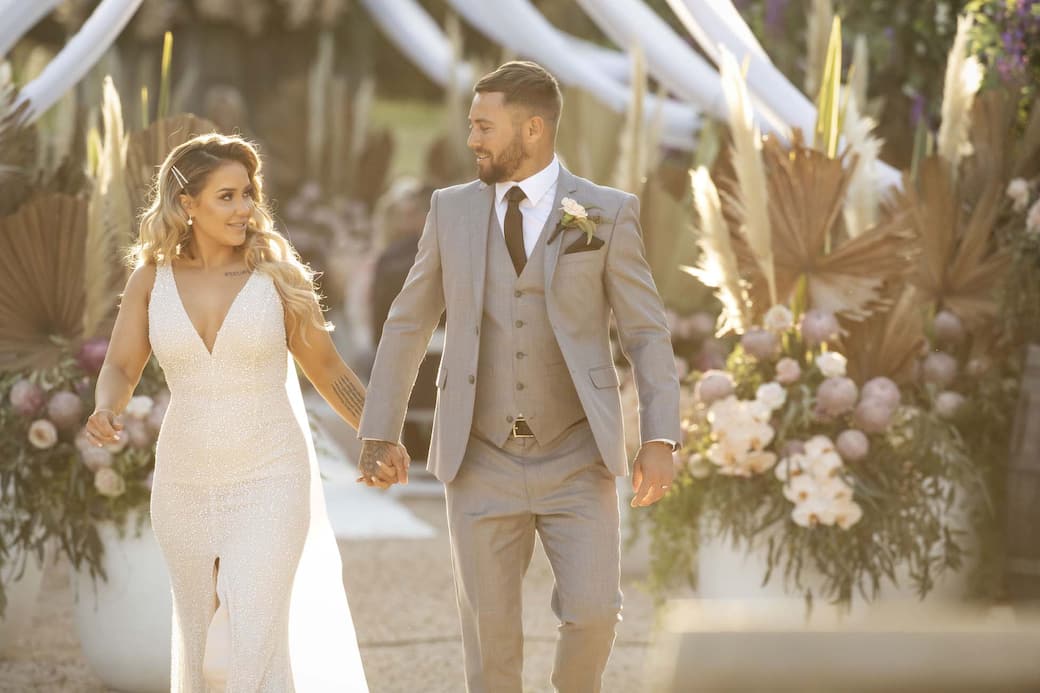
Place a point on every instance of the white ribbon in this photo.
(79, 55)
(526, 32)
(18, 17)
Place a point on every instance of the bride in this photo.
(237, 506)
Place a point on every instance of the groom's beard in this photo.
(501, 167)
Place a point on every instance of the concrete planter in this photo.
(124, 623)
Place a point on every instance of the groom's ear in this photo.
(535, 128)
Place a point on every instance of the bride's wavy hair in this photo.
(165, 233)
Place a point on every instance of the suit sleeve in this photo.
(642, 327)
(413, 317)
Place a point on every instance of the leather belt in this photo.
(521, 429)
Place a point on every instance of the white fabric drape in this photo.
(517, 25)
(717, 23)
(669, 59)
(18, 16)
(416, 35)
(79, 55)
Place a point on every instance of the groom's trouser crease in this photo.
(500, 499)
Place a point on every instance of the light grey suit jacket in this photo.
(581, 289)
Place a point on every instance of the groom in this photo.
(527, 435)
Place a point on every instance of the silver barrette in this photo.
(181, 180)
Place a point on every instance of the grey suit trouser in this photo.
(496, 504)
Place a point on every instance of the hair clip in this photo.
(181, 180)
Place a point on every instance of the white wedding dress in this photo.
(238, 509)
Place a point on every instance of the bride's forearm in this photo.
(114, 389)
(344, 393)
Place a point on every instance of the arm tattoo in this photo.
(350, 394)
(371, 452)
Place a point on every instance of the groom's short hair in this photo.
(527, 84)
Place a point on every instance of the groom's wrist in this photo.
(671, 444)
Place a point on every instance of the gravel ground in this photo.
(402, 600)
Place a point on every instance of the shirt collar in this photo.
(534, 186)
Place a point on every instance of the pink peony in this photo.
(108, 482)
(948, 327)
(882, 389)
(760, 343)
(852, 445)
(91, 355)
(873, 415)
(792, 448)
(787, 371)
(139, 435)
(42, 434)
(948, 403)
(27, 398)
(701, 325)
(66, 410)
(713, 386)
(978, 366)
(711, 356)
(939, 368)
(94, 458)
(818, 327)
(835, 397)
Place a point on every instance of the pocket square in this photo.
(582, 245)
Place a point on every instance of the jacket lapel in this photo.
(477, 220)
(565, 187)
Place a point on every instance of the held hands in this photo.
(652, 473)
(383, 464)
(103, 428)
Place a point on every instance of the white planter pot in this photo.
(21, 591)
(124, 623)
(735, 572)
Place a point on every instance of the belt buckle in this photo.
(515, 433)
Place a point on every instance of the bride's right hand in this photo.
(103, 428)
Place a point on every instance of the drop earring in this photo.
(191, 221)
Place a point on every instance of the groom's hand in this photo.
(383, 463)
(652, 473)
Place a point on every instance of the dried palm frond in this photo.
(751, 193)
(319, 83)
(110, 222)
(41, 280)
(631, 164)
(889, 342)
(806, 196)
(147, 149)
(963, 78)
(998, 151)
(859, 71)
(861, 201)
(717, 266)
(959, 268)
(17, 146)
(817, 37)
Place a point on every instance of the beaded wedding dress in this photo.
(238, 509)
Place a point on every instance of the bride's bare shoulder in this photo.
(139, 285)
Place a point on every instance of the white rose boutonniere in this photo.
(576, 216)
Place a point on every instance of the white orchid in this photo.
(773, 395)
(831, 364)
(847, 514)
(801, 489)
(815, 511)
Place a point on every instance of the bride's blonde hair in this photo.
(165, 233)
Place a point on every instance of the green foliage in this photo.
(49, 495)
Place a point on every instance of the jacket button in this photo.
(509, 419)
(519, 323)
(519, 386)
(472, 379)
(519, 354)
(518, 293)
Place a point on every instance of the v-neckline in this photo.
(227, 314)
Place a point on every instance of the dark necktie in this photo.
(515, 229)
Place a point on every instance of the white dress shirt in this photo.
(536, 208)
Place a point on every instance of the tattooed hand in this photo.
(383, 463)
